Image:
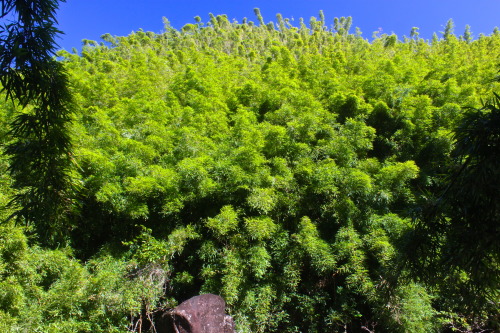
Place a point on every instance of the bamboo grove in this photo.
(293, 168)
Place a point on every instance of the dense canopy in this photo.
(288, 169)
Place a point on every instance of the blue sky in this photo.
(89, 19)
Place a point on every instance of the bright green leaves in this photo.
(352, 262)
(224, 222)
(419, 111)
(225, 227)
(359, 136)
(349, 143)
(48, 291)
(324, 178)
(147, 249)
(232, 276)
(319, 251)
(13, 249)
(249, 94)
(263, 200)
(259, 260)
(195, 179)
(111, 193)
(395, 175)
(178, 239)
(412, 307)
(276, 168)
(260, 228)
(349, 107)
(393, 179)
(146, 186)
(131, 195)
(154, 266)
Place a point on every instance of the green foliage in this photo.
(448, 30)
(467, 205)
(40, 159)
(277, 166)
(224, 222)
(45, 290)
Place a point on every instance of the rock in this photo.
(202, 314)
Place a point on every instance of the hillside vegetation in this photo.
(289, 169)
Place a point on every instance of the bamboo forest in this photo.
(317, 178)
